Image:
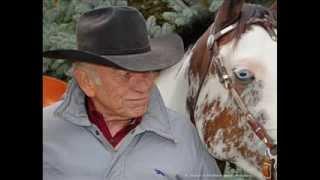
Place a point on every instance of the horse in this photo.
(226, 84)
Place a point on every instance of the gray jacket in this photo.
(164, 146)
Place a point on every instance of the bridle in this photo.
(269, 164)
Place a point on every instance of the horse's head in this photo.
(233, 85)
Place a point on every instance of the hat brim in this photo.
(165, 51)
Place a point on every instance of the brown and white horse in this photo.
(227, 85)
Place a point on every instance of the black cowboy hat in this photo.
(117, 36)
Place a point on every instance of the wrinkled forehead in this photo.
(255, 51)
(118, 74)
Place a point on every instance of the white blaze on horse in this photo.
(227, 85)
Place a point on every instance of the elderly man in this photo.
(112, 122)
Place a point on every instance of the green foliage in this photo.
(152, 11)
(164, 16)
(151, 8)
(155, 30)
(182, 13)
(214, 5)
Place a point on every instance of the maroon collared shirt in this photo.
(97, 118)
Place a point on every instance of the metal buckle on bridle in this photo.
(226, 80)
(269, 163)
(214, 36)
(267, 168)
(210, 41)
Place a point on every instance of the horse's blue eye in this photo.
(244, 75)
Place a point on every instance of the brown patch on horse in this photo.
(231, 133)
(200, 56)
(213, 106)
(248, 153)
(225, 120)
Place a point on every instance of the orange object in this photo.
(52, 90)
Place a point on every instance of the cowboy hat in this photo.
(117, 36)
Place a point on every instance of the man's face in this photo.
(123, 93)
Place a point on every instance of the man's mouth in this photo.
(139, 99)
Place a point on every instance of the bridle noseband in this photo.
(269, 164)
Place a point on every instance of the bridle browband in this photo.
(269, 164)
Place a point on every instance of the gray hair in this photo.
(88, 68)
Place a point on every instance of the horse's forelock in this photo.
(248, 12)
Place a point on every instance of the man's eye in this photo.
(124, 74)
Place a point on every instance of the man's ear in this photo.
(85, 82)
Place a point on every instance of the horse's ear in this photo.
(228, 12)
(273, 9)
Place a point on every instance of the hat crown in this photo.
(113, 31)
